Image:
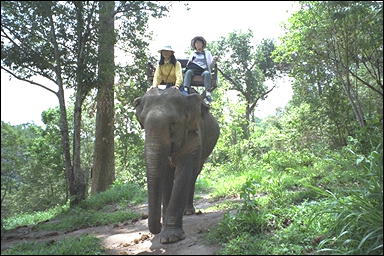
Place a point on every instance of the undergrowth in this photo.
(322, 205)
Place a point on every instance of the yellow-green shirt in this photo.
(174, 71)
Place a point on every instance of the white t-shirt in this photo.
(198, 58)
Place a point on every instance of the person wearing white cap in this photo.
(168, 71)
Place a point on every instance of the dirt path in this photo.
(133, 237)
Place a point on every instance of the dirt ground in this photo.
(133, 237)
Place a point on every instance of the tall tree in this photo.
(133, 17)
(103, 172)
(86, 63)
(246, 67)
(40, 39)
(343, 40)
(58, 41)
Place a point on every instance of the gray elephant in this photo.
(180, 134)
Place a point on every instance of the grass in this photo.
(33, 218)
(78, 245)
(330, 205)
(109, 207)
(121, 193)
(358, 213)
(91, 212)
(79, 218)
(225, 205)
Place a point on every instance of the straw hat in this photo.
(166, 48)
(200, 38)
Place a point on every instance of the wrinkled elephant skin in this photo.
(180, 134)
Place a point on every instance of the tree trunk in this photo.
(247, 121)
(356, 106)
(103, 165)
(65, 144)
(70, 177)
(80, 185)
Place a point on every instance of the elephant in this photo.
(180, 134)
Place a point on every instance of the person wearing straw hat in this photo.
(168, 71)
(200, 63)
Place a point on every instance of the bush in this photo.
(281, 161)
(358, 212)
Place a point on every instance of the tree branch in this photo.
(364, 82)
(27, 67)
(125, 7)
(56, 68)
(253, 65)
(231, 81)
(29, 81)
(265, 93)
(375, 75)
(253, 105)
(26, 49)
(350, 71)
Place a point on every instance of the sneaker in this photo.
(184, 90)
(208, 98)
(206, 102)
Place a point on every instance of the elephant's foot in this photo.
(189, 210)
(171, 235)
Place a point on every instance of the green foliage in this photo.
(78, 218)
(32, 168)
(80, 245)
(358, 213)
(13, 152)
(245, 67)
(234, 225)
(228, 185)
(332, 205)
(285, 178)
(33, 218)
(129, 141)
(310, 178)
(288, 230)
(59, 41)
(111, 206)
(332, 48)
(118, 193)
(34, 53)
(244, 244)
(285, 161)
(95, 210)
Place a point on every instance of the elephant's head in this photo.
(169, 119)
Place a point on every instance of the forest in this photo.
(307, 179)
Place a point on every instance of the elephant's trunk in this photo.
(156, 155)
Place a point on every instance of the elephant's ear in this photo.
(139, 107)
(136, 102)
(193, 111)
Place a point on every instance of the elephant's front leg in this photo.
(167, 188)
(173, 223)
(189, 208)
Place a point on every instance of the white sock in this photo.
(208, 93)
